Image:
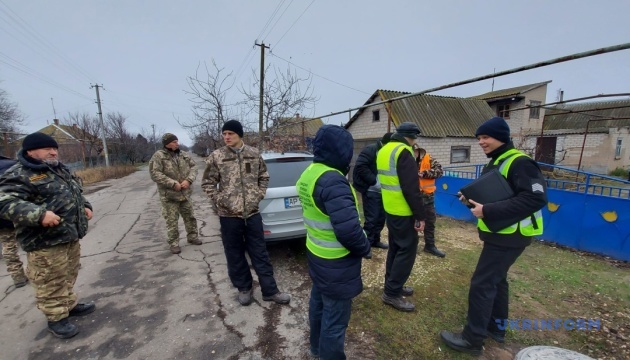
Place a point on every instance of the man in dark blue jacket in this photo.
(365, 180)
(335, 240)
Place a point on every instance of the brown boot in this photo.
(175, 249)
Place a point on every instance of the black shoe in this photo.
(457, 342)
(434, 251)
(20, 282)
(82, 310)
(62, 328)
(369, 255)
(497, 336)
(398, 303)
(245, 297)
(407, 291)
(380, 245)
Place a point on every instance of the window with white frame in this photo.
(534, 110)
(460, 154)
(618, 149)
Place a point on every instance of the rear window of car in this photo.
(286, 171)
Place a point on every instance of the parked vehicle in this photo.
(281, 209)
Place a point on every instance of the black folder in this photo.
(488, 188)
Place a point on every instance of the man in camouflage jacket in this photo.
(50, 215)
(174, 172)
(7, 238)
(236, 181)
(428, 177)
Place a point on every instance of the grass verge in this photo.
(94, 175)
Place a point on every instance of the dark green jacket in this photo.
(29, 189)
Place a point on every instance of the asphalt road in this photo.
(151, 304)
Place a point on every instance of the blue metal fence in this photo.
(585, 211)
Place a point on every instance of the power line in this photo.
(319, 76)
(280, 17)
(270, 18)
(296, 20)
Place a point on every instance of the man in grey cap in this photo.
(402, 200)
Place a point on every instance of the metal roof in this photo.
(293, 126)
(574, 117)
(499, 94)
(437, 116)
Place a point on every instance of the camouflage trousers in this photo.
(53, 272)
(11, 256)
(171, 211)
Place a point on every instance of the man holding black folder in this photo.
(520, 220)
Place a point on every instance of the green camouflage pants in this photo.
(53, 272)
(171, 211)
(11, 256)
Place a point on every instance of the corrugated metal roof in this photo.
(293, 126)
(558, 119)
(509, 92)
(438, 116)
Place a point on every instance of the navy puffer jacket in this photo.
(338, 278)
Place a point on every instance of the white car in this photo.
(281, 209)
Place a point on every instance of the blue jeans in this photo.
(329, 319)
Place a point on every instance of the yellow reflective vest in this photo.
(320, 237)
(526, 226)
(393, 199)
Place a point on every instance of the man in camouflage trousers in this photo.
(7, 238)
(429, 170)
(44, 202)
(174, 172)
(242, 179)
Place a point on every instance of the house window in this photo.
(376, 115)
(460, 154)
(618, 149)
(534, 110)
(503, 111)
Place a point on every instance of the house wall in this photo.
(363, 128)
(440, 149)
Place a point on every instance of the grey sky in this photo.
(142, 51)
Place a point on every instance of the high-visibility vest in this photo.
(393, 199)
(532, 225)
(320, 237)
(427, 186)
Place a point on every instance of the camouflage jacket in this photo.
(168, 168)
(436, 168)
(235, 181)
(30, 188)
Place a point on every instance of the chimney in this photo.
(56, 121)
(297, 115)
(75, 126)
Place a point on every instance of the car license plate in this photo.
(292, 202)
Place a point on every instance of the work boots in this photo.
(62, 328)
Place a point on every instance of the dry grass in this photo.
(94, 175)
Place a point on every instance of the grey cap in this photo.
(408, 129)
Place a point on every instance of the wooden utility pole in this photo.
(262, 89)
(100, 116)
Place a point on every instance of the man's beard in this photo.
(52, 162)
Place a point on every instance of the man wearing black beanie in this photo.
(236, 181)
(43, 200)
(519, 220)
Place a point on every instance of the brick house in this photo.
(448, 124)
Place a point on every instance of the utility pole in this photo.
(154, 142)
(53, 106)
(100, 116)
(262, 89)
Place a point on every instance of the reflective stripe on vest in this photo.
(393, 199)
(526, 226)
(320, 237)
(427, 186)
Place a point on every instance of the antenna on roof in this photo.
(494, 71)
(53, 106)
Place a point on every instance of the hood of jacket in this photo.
(333, 147)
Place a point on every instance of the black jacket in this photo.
(365, 173)
(338, 278)
(523, 176)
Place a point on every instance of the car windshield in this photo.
(286, 171)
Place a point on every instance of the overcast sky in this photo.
(143, 51)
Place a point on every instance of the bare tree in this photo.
(10, 120)
(208, 90)
(284, 95)
(87, 129)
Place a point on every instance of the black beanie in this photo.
(38, 141)
(168, 138)
(234, 126)
(496, 128)
(386, 138)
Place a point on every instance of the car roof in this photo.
(286, 155)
